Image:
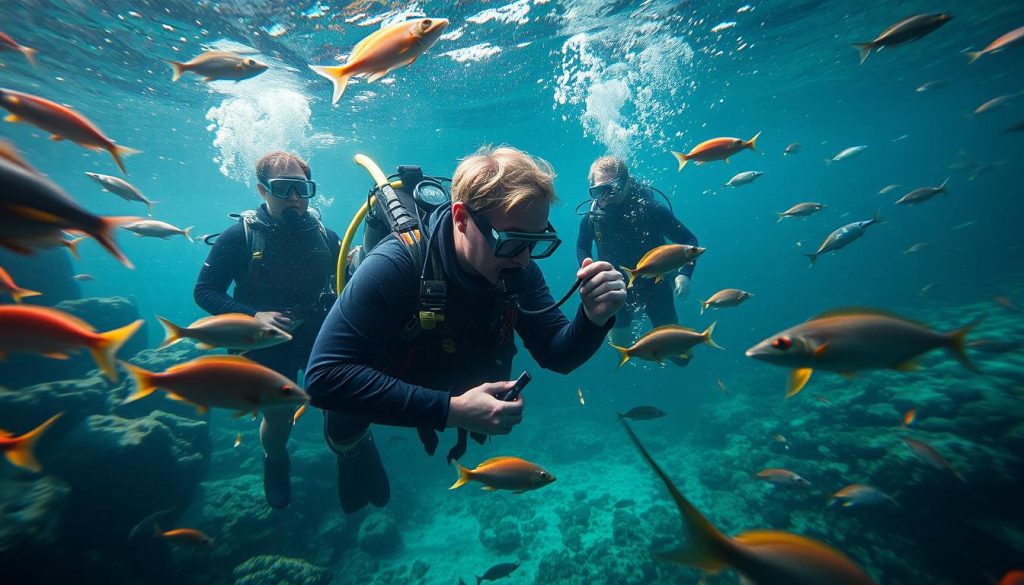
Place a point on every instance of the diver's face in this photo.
(293, 206)
(474, 251)
(616, 197)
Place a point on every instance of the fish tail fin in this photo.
(187, 232)
(828, 162)
(338, 75)
(703, 306)
(174, 332)
(72, 246)
(104, 235)
(149, 207)
(22, 453)
(782, 216)
(865, 50)
(958, 346)
(19, 293)
(707, 336)
(632, 275)
(464, 475)
(105, 350)
(973, 56)
(118, 151)
(179, 68)
(942, 187)
(681, 158)
(752, 143)
(709, 549)
(813, 257)
(877, 216)
(30, 55)
(144, 383)
(624, 357)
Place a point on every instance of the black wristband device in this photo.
(521, 383)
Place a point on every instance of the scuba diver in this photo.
(282, 261)
(424, 334)
(626, 222)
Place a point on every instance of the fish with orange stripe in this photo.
(61, 122)
(715, 149)
(765, 557)
(18, 449)
(54, 333)
(223, 381)
(391, 47)
(9, 44)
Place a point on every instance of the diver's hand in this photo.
(275, 319)
(478, 410)
(603, 290)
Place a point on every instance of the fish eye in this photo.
(427, 23)
(782, 343)
(250, 62)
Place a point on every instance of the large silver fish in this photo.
(844, 236)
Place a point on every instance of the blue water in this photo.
(570, 81)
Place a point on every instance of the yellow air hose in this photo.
(380, 179)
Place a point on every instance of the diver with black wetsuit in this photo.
(287, 283)
(626, 222)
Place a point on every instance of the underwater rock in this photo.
(103, 314)
(503, 538)
(274, 570)
(379, 535)
(77, 399)
(122, 470)
(31, 510)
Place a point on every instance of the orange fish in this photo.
(662, 260)
(16, 292)
(1010, 39)
(189, 536)
(858, 494)
(298, 413)
(224, 381)
(18, 449)
(53, 333)
(928, 453)
(1015, 577)
(909, 416)
(505, 473)
(61, 122)
(671, 342)
(238, 439)
(387, 49)
(715, 149)
(781, 477)
(765, 557)
(9, 44)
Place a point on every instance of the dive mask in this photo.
(509, 244)
(282, 187)
(608, 189)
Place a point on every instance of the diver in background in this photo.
(626, 222)
(282, 261)
(379, 360)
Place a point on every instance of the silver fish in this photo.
(846, 153)
(922, 194)
(844, 236)
(156, 229)
(121, 188)
(743, 178)
(801, 210)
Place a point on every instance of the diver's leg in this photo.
(361, 476)
(622, 333)
(274, 432)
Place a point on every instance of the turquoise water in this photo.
(567, 81)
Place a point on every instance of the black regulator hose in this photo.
(511, 282)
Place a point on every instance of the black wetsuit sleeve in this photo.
(226, 259)
(585, 241)
(676, 233)
(375, 305)
(555, 342)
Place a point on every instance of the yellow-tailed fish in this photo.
(9, 44)
(662, 260)
(17, 293)
(715, 149)
(671, 342)
(764, 557)
(857, 494)
(778, 476)
(505, 473)
(18, 449)
(231, 331)
(387, 49)
(852, 340)
(727, 297)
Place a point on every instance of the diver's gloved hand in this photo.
(603, 290)
(478, 409)
(681, 286)
(275, 319)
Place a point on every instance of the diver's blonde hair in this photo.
(608, 165)
(502, 178)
